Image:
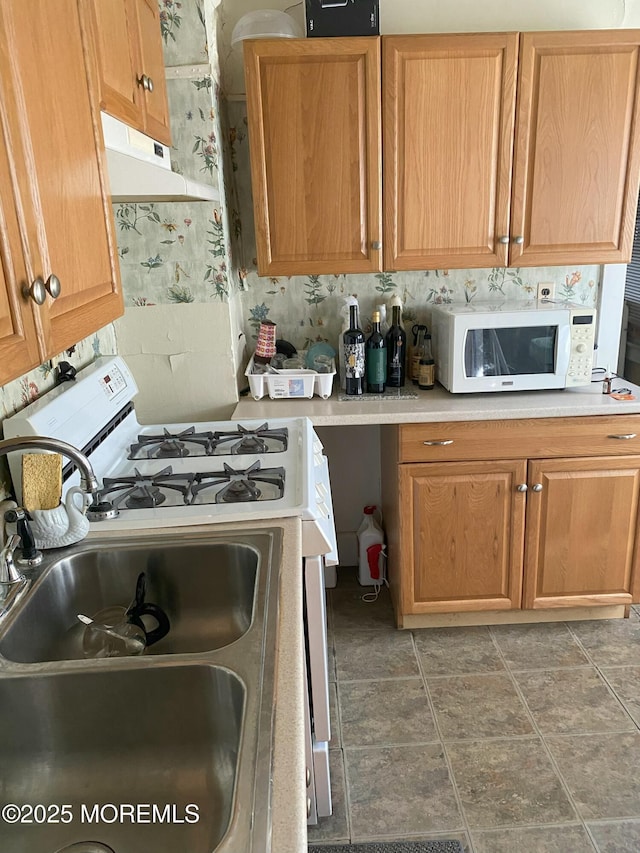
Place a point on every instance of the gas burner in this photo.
(238, 486)
(146, 491)
(171, 445)
(244, 441)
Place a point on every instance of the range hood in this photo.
(140, 168)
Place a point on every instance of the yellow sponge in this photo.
(41, 480)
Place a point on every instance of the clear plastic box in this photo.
(290, 384)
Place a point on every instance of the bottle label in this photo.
(376, 366)
(427, 375)
(354, 361)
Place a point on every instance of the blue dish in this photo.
(321, 348)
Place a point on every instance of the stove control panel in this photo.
(113, 382)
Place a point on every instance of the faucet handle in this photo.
(30, 555)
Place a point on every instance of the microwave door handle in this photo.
(563, 355)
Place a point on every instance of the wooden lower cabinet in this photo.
(510, 535)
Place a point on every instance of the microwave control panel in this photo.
(583, 337)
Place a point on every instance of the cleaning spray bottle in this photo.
(371, 556)
(344, 313)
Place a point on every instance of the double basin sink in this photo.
(165, 752)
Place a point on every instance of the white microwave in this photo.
(513, 346)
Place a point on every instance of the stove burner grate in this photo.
(239, 486)
(171, 445)
(145, 491)
(244, 441)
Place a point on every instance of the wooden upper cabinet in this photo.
(581, 541)
(56, 195)
(577, 152)
(449, 105)
(131, 65)
(314, 132)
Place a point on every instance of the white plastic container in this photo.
(371, 556)
(288, 384)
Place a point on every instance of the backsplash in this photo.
(306, 309)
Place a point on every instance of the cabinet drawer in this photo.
(519, 439)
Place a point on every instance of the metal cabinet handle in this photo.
(145, 82)
(518, 240)
(376, 244)
(308, 777)
(522, 487)
(308, 806)
(53, 286)
(503, 240)
(537, 487)
(441, 443)
(623, 437)
(36, 292)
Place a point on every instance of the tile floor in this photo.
(511, 739)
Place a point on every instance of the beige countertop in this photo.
(440, 405)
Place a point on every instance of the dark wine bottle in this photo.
(427, 368)
(396, 351)
(353, 343)
(376, 358)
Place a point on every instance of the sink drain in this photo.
(86, 847)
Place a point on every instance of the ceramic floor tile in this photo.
(375, 654)
(601, 771)
(617, 836)
(385, 712)
(350, 613)
(334, 717)
(478, 706)
(336, 827)
(457, 651)
(508, 782)
(547, 839)
(399, 791)
(570, 701)
(625, 681)
(533, 646)
(610, 642)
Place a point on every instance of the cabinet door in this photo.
(577, 151)
(581, 532)
(57, 147)
(314, 133)
(449, 105)
(156, 110)
(18, 339)
(462, 533)
(117, 53)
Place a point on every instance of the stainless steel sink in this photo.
(187, 724)
(164, 736)
(206, 589)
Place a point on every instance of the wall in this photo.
(176, 334)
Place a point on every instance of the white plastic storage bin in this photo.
(289, 384)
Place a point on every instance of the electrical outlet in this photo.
(546, 290)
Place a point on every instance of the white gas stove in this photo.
(181, 474)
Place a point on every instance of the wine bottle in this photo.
(396, 349)
(353, 343)
(376, 358)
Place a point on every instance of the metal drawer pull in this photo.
(624, 437)
(376, 244)
(518, 240)
(503, 240)
(53, 286)
(521, 487)
(537, 487)
(441, 443)
(308, 777)
(308, 806)
(36, 292)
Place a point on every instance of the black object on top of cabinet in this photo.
(342, 18)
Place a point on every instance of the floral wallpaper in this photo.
(306, 309)
(179, 252)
